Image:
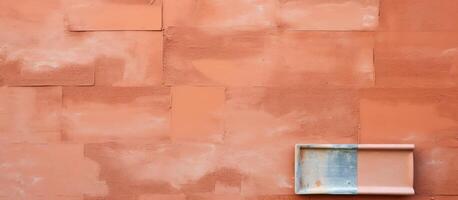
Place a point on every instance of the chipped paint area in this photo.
(328, 170)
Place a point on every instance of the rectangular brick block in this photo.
(418, 15)
(49, 171)
(235, 14)
(310, 115)
(424, 117)
(321, 59)
(416, 59)
(329, 14)
(246, 58)
(30, 114)
(102, 114)
(105, 17)
(273, 14)
(134, 61)
(197, 113)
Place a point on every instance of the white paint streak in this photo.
(174, 164)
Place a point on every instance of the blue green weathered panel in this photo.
(326, 169)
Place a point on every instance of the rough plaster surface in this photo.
(205, 99)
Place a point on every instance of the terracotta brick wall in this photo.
(205, 99)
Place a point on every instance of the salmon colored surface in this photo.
(105, 17)
(389, 171)
(205, 99)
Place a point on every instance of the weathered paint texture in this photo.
(327, 170)
(48, 170)
(329, 15)
(205, 99)
(268, 58)
(30, 114)
(105, 114)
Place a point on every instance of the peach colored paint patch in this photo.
(387, 171)
(272, 14)
(213, 57)
(403, 121)
(116, 114)
(30, 114)
(407, 116)
(404, 15)
(258, 114)
(251, 14)
(47, 170)
(105, 17)
(197, 113)
(414, 59)
(329, 14)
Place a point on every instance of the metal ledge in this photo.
(353, 169)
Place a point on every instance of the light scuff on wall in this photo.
(205, 99)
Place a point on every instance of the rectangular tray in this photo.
(354, 169)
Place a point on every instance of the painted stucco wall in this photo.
(205, 99)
